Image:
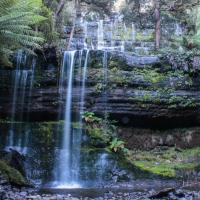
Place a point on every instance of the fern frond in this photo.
(17, 21)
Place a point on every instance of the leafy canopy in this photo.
(18, 20)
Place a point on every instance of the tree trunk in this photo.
(71, 37)
(78, 11)
(158, 23)
(60, 7)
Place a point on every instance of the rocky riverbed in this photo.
(13, 193)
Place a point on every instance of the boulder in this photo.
(14, 159)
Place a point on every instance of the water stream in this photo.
(22, 82)
(63, 169)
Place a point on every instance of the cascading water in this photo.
(178, 29)
(133, 33)
(22, 79)
(64, 176)
(77, 133)
(16, 83)
(23, 85)
(100, 35)
(66, 159)
(67, 168)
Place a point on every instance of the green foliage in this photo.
(46, 132)
(179, 59)
(99, 87)
(117, 145)
(184, 102)
(122, 33)
(150, 75)
(99, 130)
(90, 117)
(18, 19)
(103, 133)
(144, 37)
(116, 76)
(192, 39)
(48, 26)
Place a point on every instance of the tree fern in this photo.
(17, 21)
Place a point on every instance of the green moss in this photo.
(11, 174)
(156, 168)
(165, 98)
(166, 163)
(118, 64)
(144, 37)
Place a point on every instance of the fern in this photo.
(17, 21)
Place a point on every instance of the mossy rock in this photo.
(12, 175)
(171, 163)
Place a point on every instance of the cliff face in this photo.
(137, 95)
(45, 106)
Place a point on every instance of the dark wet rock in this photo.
(3, 180)
(121, 106)
(138, 103)
(163, 193)
(133, 60)
(14, 159)
(149, 139)
(120, 175)
(48, 58)
(172, 194)
(10, 175)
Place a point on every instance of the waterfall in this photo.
(65, 162)
(23, 85)
(22, 79)
(62, 73)
(32, 78)
(178, 29)
(77, 135)
(101, 165)
(133, 33)
(68, 165)
(64, 168)
(100, 35)
(17, 83)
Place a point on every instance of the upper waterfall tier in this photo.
(114, 35)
